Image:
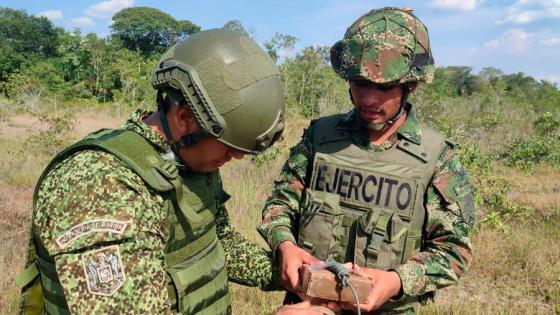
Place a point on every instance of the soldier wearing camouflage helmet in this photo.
(132, 220)
(375, 186)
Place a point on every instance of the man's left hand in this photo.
(385, 285)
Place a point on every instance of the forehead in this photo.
(369, 85)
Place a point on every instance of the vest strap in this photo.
(413, 149)
(27, 276)
(203, 242)
(377, 236)
(51, 308)
(192, 217)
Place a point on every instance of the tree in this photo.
(24, 37)
(186, 28)
(149, 30)
(455, 81)
(311, 85)
(236, 25)
(279, 42)
(28, 34)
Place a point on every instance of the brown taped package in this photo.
(322, 283)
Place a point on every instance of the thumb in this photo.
(358, 270)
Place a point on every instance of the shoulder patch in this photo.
(104, 270)
(88, 227)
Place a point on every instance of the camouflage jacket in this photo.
(91, 185)
(447, 249)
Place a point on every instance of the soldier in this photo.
(375, 186)
(132, 220)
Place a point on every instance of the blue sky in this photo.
(512, 35)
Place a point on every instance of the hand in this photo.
(385, 285)
(308, 308)
(291, 259)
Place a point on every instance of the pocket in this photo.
(381, 239)
(319, 224)
(413, 244)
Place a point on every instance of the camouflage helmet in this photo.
(231, 85)
(385, 45)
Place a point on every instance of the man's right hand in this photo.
(291, 259)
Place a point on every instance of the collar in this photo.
(135, 123)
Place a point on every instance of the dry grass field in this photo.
(515, 271)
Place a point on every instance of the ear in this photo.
(185, 121)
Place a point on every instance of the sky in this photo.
(511, 35)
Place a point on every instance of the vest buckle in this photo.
(167, 169)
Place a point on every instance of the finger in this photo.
(304, 304)
(293, 277)
(309, 259)
(333, 306)
(359, 271)
(348, 306)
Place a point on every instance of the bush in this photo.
(55, 137)
(543, 146)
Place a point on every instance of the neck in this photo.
(378, 137)
(154, 122)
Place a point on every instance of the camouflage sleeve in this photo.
(280, 211)
(447, 249)
(247, 263)
(104, 229)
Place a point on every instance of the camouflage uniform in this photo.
(385, 47)
(95, 186)
(446, 249)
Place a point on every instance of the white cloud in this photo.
(550, 41)
(106, 9)
(513, 41)
(518, 42)
(457, 5)
(52, 14)
(82, 21)
(527, 11)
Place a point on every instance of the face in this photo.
(376, 103)
(208, 155)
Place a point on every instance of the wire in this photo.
(343, 277)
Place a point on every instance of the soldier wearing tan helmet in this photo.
(132, 220)
(375, 186)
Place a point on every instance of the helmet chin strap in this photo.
(380, 126)
(186, 141)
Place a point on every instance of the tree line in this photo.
(38, 59)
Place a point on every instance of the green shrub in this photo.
(56, 135)
(543, 146)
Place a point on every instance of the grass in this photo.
(514, 272)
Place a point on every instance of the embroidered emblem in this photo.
(104, 270)
(90, 227)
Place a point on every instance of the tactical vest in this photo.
(194, 258)
(366, 207)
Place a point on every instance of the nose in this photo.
(236, 154)
(365, 95)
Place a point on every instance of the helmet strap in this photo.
(380, 126)
(186, 141)
(404, 98)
